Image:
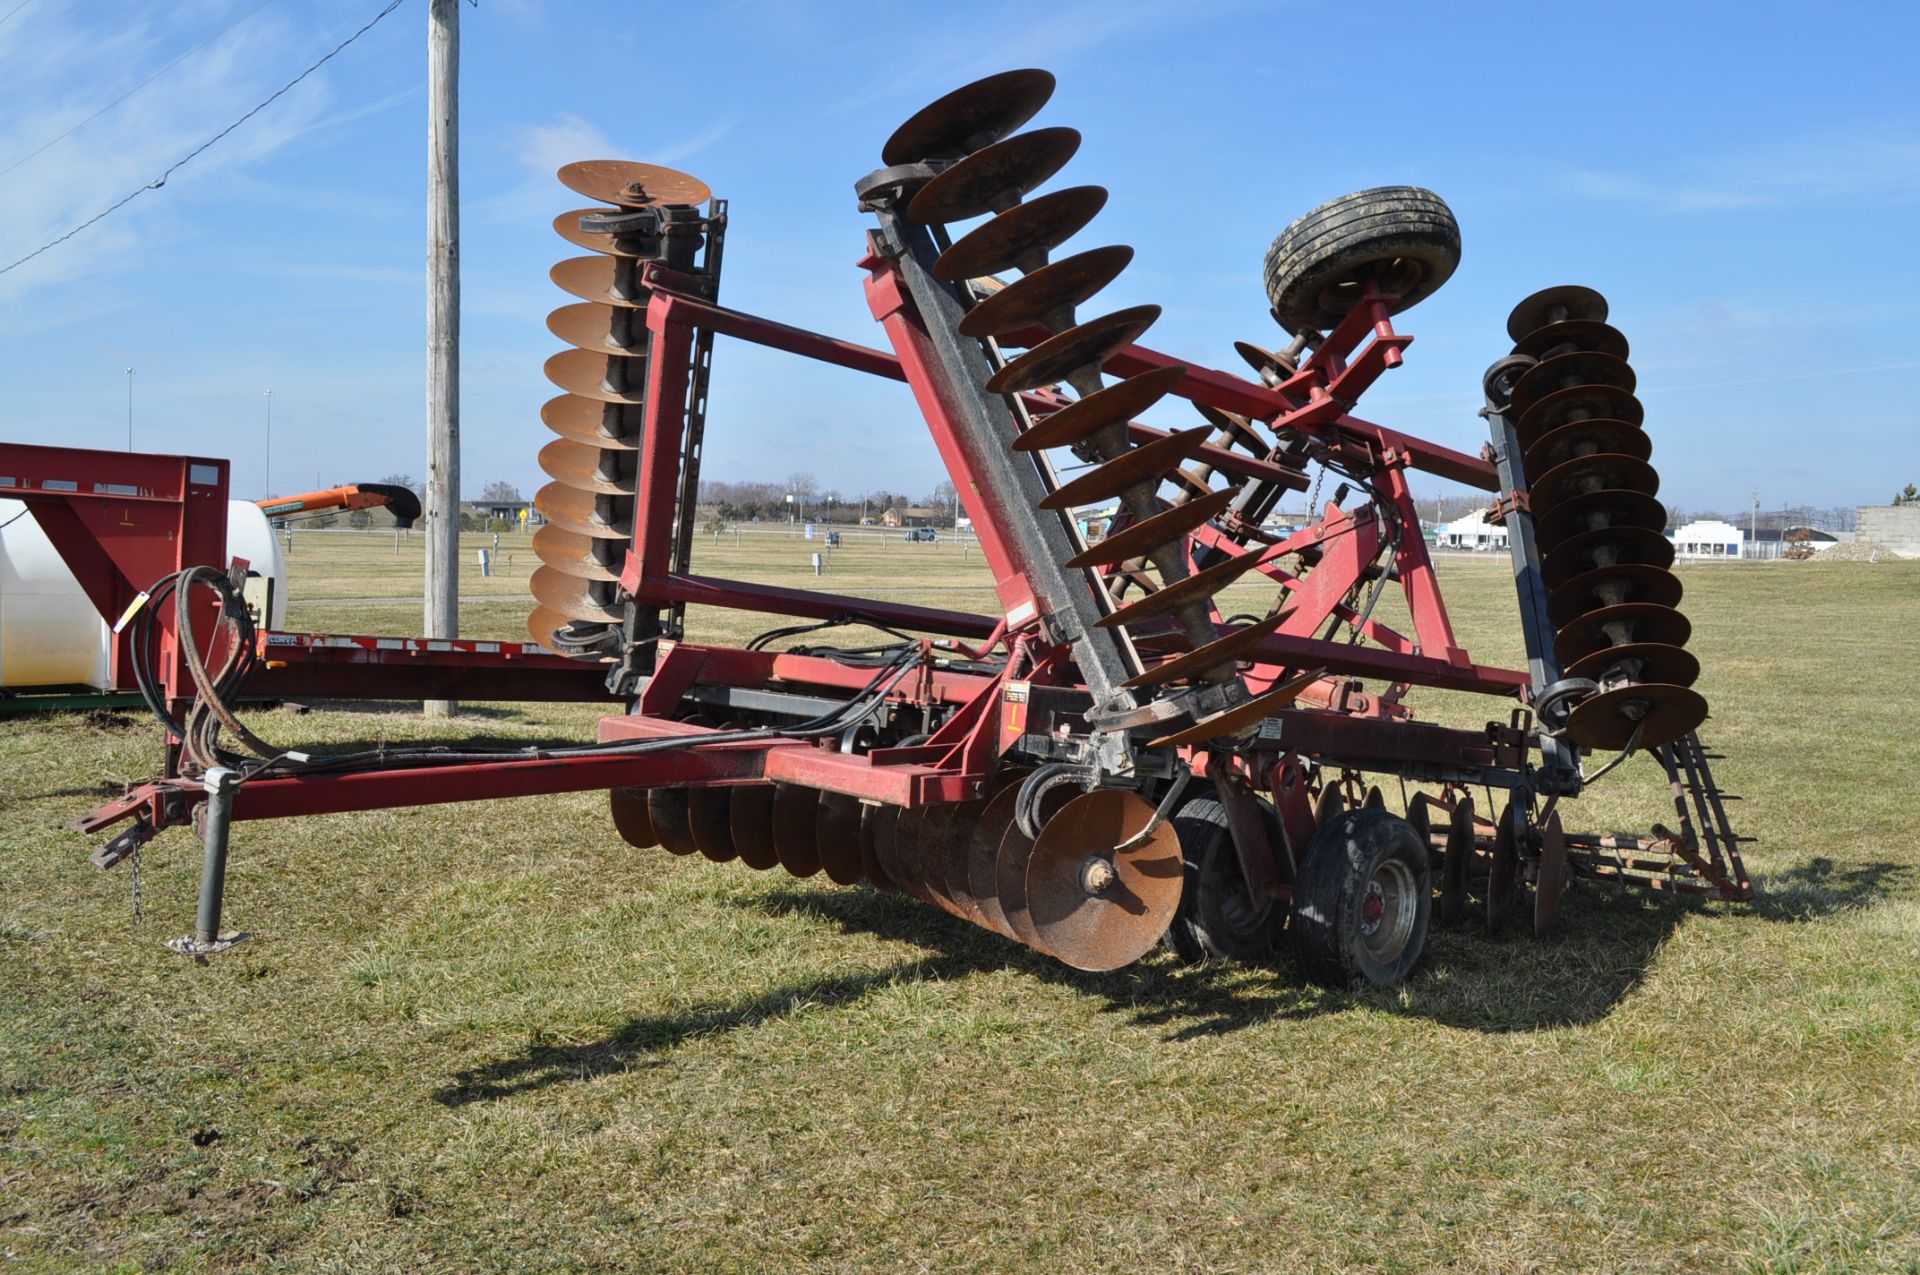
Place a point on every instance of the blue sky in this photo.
(1742, 180)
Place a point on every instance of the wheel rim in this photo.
(1238, 910)
(1387, 911)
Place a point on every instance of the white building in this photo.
(1709, 538)
(1472, 532)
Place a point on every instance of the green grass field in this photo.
(494, 1038)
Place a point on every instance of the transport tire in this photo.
(1363, 901)
(1403, 238)
(1217, 919)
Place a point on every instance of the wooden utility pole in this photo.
(443, 327)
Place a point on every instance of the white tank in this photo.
(50, 634)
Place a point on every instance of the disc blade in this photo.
(590, 375)
(1144, 464)
(542, 623)
(1588, 437)
(1087, 345)
(1605, 722)
(583, 468)
(1649, 662)
(1197, 587)
(838, 838)
(1553, 879)
(1640, 621)
(567, 226)
(668, 808)
(1503, 872)
(972, 116)
(604, 329)
(1234, 721)
(923, 857)
(1236, 428)
(1570, 371)
(750, 822)
(1166, 527)
(630, 817)
(1271, 367)
(1608, 547)
(895, 853)
(1116, 404)
(1610, 586)
(571, 552)
(1236, 646)
(598, 279)
(878, 825)
(1021, 233)
(1598, 472)
(994, 177)
(633, 185)
(1330, 805)
(1570, 336)
(709, 813)
(1096, 907)
(1599, 510)
(1555, 305)
(589, 421)
(946, 860)
(796, 821)
(983, 858)
(578, 511)
(1031, 300)
(1582, 402)
(1461, 838)
(573, 597)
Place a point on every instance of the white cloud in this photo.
(1878, 171)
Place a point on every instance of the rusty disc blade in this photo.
(879, 824)
(573, 553)
(589, 421)
(1169, 598)
(919, 846)
(604, 329)
(1096, 907)
(1088, 345)
(1654, 662)
(984, 839)
(973, 115)
(1588, 335)
(1236, 646)
(1581, 402)
(567, 226)
(1191, 484)
(1606, 721)
(573, 597)
(1571, 301)
(598, 279)
(1461, 838)
(995, 177)
(1243, 717)
(669, 810)
(1113, 405)
(838, 837)
(582, 467)
(796, 822)
(1236, 428)
(1503, 873)
(1376, 800)
(1021, 233)
(709, 816)
(896, 853)
(1587, 438)
(589, 375)
(633, 185)
(1610, 586)
(1598, 472)
(1570, 371)
(1606, 547)
(542, 624)
(630, 817)
(750, 822)
(1552, 882)
(1144, 464)
(578, 511)
(1597, 511)
(947, 863)
(1270, 365)
(1165, 527)
(1642, 622)
(1420, 818)
(1066, 282)
(1330, 805)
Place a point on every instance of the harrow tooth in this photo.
(605, 329)
(630, 817)
(585, 468)
(1462, 840)
(972, 116)
(1132, 465)
(796, 818)
(627, 184)
(572, 553)
(590, 422)
(1587, 438)
(567, 226)
(709, 816)
(750, 822)
(878, 825)
(1236, 646)
(1652, 662)
(1610, 586)
(1570, 371)
(1599, 471)
(1167, 527)
(1578, 403)
(994, 178)
(604, 280)
(571, 596)
(581, 512)
(1551, 885)
(1094, 906)
(608, 378)
(1116, 404)
(669, 810)
(1618, 626)
(1242, 718)
(1610, 546)
(1046, 297)
(1197, 587)
(1570, 302)
(1086, 346)
(1573, 336)
(838, 837)
(1021, 237)
(1597, 511)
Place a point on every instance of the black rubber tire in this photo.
(1329, 899)
(1403, 237)
(1215, 920)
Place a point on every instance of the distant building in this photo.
(912, 516)
(1472, 532)
(1709, 538)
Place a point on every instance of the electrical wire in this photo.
(8, 15)
(193, 154)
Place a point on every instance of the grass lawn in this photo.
(494, 1038)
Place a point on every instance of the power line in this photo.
(4, 17)
(135, 89)
(191, 155)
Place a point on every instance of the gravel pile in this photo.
(1855, 551)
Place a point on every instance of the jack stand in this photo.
(207, 938)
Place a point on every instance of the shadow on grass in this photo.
(1820, 887)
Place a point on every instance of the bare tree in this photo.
(500, 491)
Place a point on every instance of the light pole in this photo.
(129, 409)
(269, 484)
